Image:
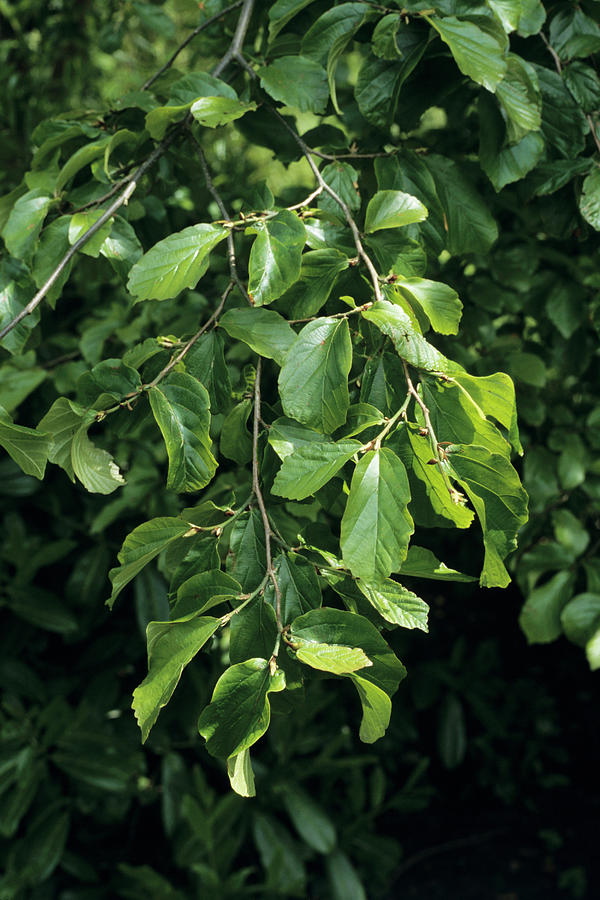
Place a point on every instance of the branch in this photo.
(235, 49)
(188, 39)
(260, 500)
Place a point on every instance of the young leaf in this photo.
(313, 382)
(29, 448)
(376, 709)
(335, 658)
(171, 646)
(175, 263)
(396, 604)
(376, 525)
(276, 256)
(311, 466)
(264, 330)
(500, 502)
(476, 53)
(214, 111)
(241, 775)
(392, 209)
(141, 546)
(181, 407)
(239, 712)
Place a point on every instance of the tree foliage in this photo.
(286, 378)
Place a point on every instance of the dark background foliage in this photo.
(485, 784)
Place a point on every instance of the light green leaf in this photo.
(264, 330)
(500, 502)
(296, 81)
(580, 618)
(540, 616)
(589, 202)
(239, 712)
(421, 563)
(214, 111)
(199, 84)
(158, 120)
(392, 209)
(29, 448)
(313, 382)
(311, 466)
(335, 658)
(410, 345)
(469, 224)
(310, 821)
(508, 11)
(181, 407)
(141, 546)
(287, 435)
(171, 646)
(376, 711)
(396, 603)
(241, 774)
(533, 16)
(202, 591)
(81, 223)
(376, 525)
(175, 263)
(475, 52)
(276, 256)
(520, 98)
(333, 626)
(25, 222)
(495, 396)
(438, 301)
(383, 42)
(95, 468)
(62, 422)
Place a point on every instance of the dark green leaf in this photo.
(476, 53)
(202, 591)
(264, 330)
(235, 441)
(318, 273)
(299, 587)
(205, 361)
(540, 616)
(29, 448)
(311, 466)
(296, 81)
(310, 821)
(276, 256)
(246, 559)
(253, 630)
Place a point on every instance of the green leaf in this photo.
(276, 256)
(457, 420)
(311, 466)
(330, 28)
(25, 223)
(540, 616)
(158, 120)
(310, 821)
(318, 274)
(421, 563)
(122, 247)
(500, 502)
(383, 42)
(451, 736)
(396, 604)
(335, 658)
(253, 630)
(199, 84)
(520, 98)
(281, 12)
(296, 81)
(589, 202)
(81, 223)
(235, 441)
(239, 712)
(504, 164)
(246, 559)
(313, 382)
(171, 646)
(17, 384)
(205, 361)
(53, 245)
(376, 713)
(62, 422)
(175, 263)
(476, 53)
(392, 209)
(287, 435)
(508, 11)
(141, 546)
(214, 111)
(584, 84)
(241, 775)
(200, 592)
(181, 407)
(29, 448)
(580, 618)
(298, 585)
(333, 626)
(410, 345)
(95, 468)
(469, 223)
(80, 159)
(573, 34)
(343, 179)
(495, 396)
(438, 301)
(264, 330)
(376, 525)
(563, 123)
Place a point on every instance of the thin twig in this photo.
(552, 53)
(256, 490)
(333, 157)
(308, 200)
(188, 39)
(340, 315)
